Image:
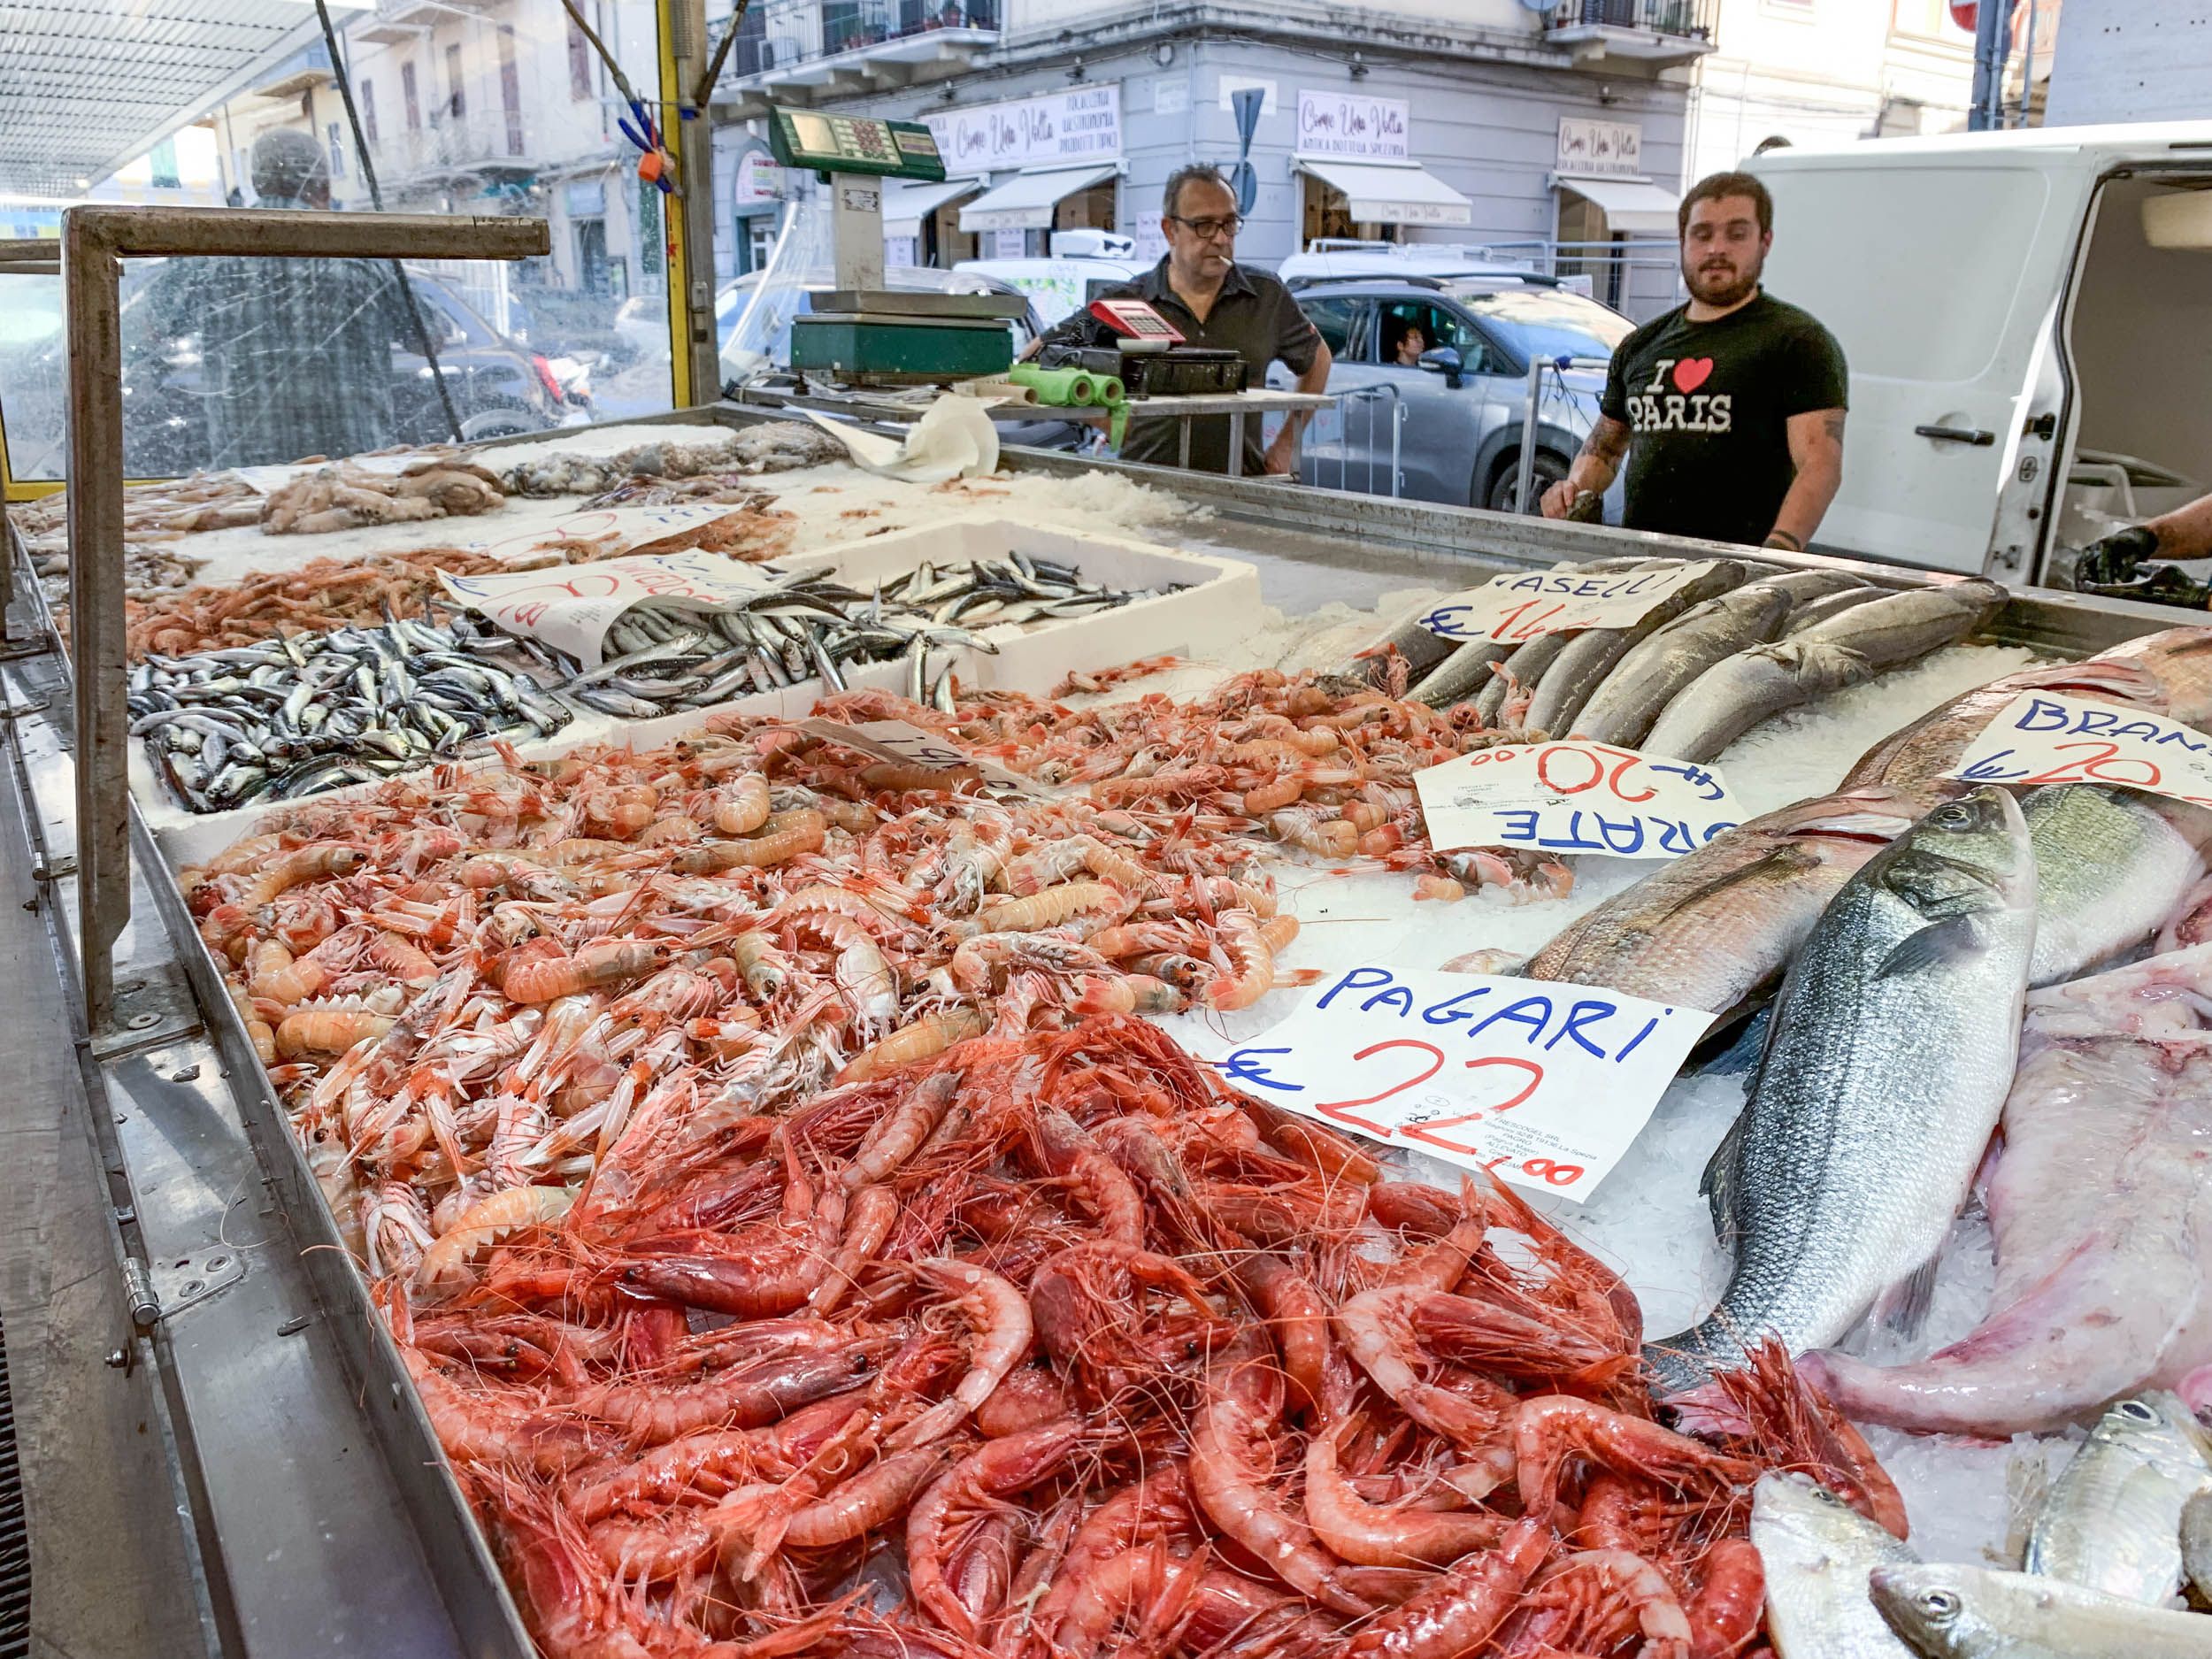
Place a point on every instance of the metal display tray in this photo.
(385, 1417)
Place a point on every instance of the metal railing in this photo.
(1531, 417)
(1684, 19)
(448, 145)
(797, 31)
(1372, 396)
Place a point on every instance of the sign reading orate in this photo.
(2041, 739)
(571, 607)
(1575, 797)
(1511, 609)
(1544, 1085)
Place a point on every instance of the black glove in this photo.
(2114, 558)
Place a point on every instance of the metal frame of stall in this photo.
(322, 1514)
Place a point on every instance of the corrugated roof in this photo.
(88, 85)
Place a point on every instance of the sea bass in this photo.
(1648, 675)
(1732, 696)
(1581, 668)
(2101, 1215)
(1885, 1067)
(2112, 1521)
(1953, 1612)
(1711, 930)
(1817, 1552)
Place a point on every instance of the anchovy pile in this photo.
(664, 656)
(292, 717)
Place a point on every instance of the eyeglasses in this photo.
(1207, 229)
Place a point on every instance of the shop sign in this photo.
(1543, 1086)
(1601, 149)
(1230, 84)
(759, 181)
(1170, 94)
(2041, 738)
(899, 251)
(1081, 125)
(1575, 796)
(1513, 609)
(1010, 244)
(1352, 127)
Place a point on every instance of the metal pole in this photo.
(345, 78)
(1525, 474)
(2027, 64)
(694, 179)
(1991, 32)
(95, 240)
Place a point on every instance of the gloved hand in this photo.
(2117, 558)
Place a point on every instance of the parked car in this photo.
(497, 387)
(1458, 413)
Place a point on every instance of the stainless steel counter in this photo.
(312, 1494)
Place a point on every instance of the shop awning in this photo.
(1633, 207)
(1393, 194)
(906, 204)
(1026, 201)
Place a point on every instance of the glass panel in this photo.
(466, 107)
(1334, 318)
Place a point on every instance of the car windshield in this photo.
(1550, 322)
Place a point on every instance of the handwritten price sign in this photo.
(1544, 1085)
(571, 606)
(2042, 739)
(896, 741)
(1575, 797)
(1510, 610)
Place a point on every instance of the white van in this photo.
(2028, 318)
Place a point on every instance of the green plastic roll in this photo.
(1062, 387)
(1110, 390)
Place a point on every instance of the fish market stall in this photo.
(742, 1068)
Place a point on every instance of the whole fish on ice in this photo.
(2112, 866)
(1884, 1072)
(1580, 668)
(1734, 695)
(1818, 1552)
(2101, 1214)
(2112, 1519)
(1712, 929)
(1956, 1612)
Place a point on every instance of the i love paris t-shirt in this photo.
(1707, 405)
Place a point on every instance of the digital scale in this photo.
(860, 333)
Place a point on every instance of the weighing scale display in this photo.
(854, 143)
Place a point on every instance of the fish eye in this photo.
(2136, 1411)
(1951, 817)
(1941, 1605)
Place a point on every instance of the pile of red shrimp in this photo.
(1052, 1346)
(469, 981)
(1321, 762)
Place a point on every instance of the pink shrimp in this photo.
(999, 1315)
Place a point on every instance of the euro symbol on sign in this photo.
(1244, 1066)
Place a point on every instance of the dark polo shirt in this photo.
(1253, 316)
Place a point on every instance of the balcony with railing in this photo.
(793, 51)
(494, 145)
(1657, 32)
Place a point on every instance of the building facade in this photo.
(1479, 123)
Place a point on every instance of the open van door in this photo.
(1941, 275)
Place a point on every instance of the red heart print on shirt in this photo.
(1693, 372)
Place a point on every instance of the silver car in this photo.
(1441, 364)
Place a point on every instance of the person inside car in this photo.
(1730, 409)
(1211, 301)
(1411, 344)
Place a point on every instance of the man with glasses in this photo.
(1213, 301)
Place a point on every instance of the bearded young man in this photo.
(1730, 409)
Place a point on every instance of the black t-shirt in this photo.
(1708, 406)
